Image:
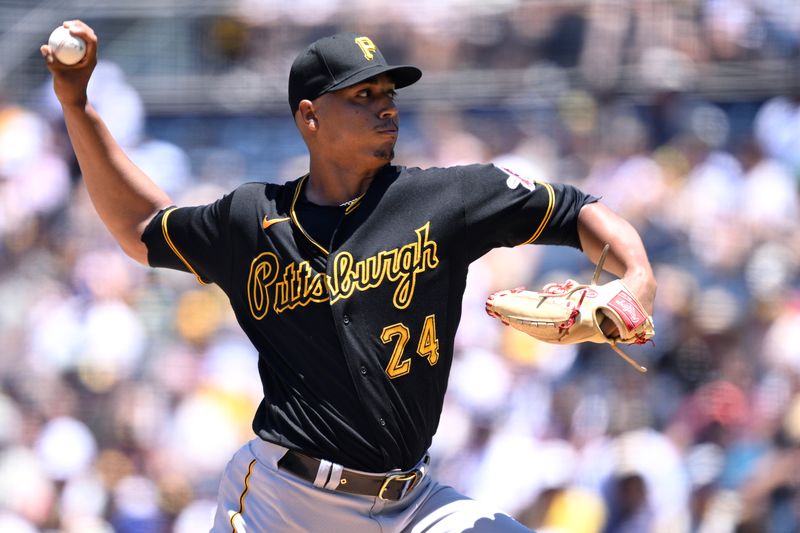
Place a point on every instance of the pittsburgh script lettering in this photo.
(298, 284)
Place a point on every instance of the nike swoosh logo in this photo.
(267, 222)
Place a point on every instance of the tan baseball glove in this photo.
(570, 312)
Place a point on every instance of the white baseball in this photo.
(67, 48)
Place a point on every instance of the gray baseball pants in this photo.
(257, 497)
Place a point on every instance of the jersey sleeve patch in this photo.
(165, 231)
(515, 179)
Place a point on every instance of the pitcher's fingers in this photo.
(609, 328)
(46, 53)
(78, 28)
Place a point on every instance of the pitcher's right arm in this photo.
(125, 197)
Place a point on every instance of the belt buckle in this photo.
(413, 477)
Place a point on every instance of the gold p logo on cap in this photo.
(367, 47)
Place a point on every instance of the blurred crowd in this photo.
(668, 39)
(125, 390)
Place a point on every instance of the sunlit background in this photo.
(124, 390)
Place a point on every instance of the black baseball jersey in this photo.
(354, 309)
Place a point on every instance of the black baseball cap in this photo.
(339, 61)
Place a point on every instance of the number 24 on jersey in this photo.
(427, 347)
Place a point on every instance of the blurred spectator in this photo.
(777, 128)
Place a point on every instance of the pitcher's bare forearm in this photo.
(598, 225)
(124, 196)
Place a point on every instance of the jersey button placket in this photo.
(346, 320)
(363, 370)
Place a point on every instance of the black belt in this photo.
(392, 486)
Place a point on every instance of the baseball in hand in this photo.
(67, 48)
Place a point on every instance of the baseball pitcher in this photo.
(349, 282)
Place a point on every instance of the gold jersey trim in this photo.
(353, 204)
(551, 202)
(240, 512)
(174, 249)
(293, 215)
